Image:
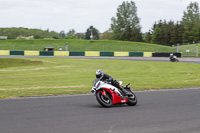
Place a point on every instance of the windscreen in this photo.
(95, 81)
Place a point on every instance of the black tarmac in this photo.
(164, 111)
(160, 59)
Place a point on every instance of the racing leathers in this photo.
(113, 82)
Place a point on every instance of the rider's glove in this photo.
(108, 81)
(93, 90)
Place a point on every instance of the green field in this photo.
(83, 45)
(61, 76)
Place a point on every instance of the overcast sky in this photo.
(64, 15)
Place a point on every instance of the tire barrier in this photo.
(87, 53)
(164, 54)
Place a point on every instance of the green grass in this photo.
(61, 76)
(83, 45)
(9, 62)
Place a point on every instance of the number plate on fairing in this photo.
(123, 101)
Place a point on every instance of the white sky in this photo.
(64, 15)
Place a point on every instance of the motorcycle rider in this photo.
(171, 56)
(105, 77)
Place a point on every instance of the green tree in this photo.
(80, 35)
(107, 35)
(92, 30)
(62, 34)
(71, 32)
(148, 37)
(156, 35)
(127, 25)
(72, 37)
(14, 32)
(191, 20)
(180, 32)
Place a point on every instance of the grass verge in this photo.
(9, 62)
(83, 45)
(61, 76)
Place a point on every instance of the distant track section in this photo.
(159, 59)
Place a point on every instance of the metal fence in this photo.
(122, 48)
(188, 50)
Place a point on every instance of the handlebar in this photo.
(127, 85)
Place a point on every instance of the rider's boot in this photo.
(126, 92)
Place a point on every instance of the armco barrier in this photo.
(87, 53)
(121, 53)
(61, 53)
(106, 53)
(46, 53)
(73, 53)
(92, 53)
(31, 53)
(16, 52)
(4, 52)
(147, 54)
(164, 54)
(136, 54)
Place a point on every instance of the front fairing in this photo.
(103, 87)
(98, 85)
(108, 86)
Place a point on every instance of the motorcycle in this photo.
(174, 59)
(108, 95)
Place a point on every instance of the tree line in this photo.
(19, 33)
(14, 33)
(126, 27)
(181, 32)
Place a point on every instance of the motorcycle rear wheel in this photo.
(104, 101)
(132, 101)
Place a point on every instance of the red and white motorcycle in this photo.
(108, 95)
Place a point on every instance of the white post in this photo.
(66, 47)
(177, 48)
(197, 50)
(91, 36)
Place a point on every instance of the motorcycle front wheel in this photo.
(104, 100)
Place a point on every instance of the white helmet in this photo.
(99, 74)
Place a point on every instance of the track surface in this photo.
(160, 59)
(165, 111)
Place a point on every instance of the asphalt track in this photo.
(165, 111)
(160, 59)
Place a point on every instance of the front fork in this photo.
(105, 95)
